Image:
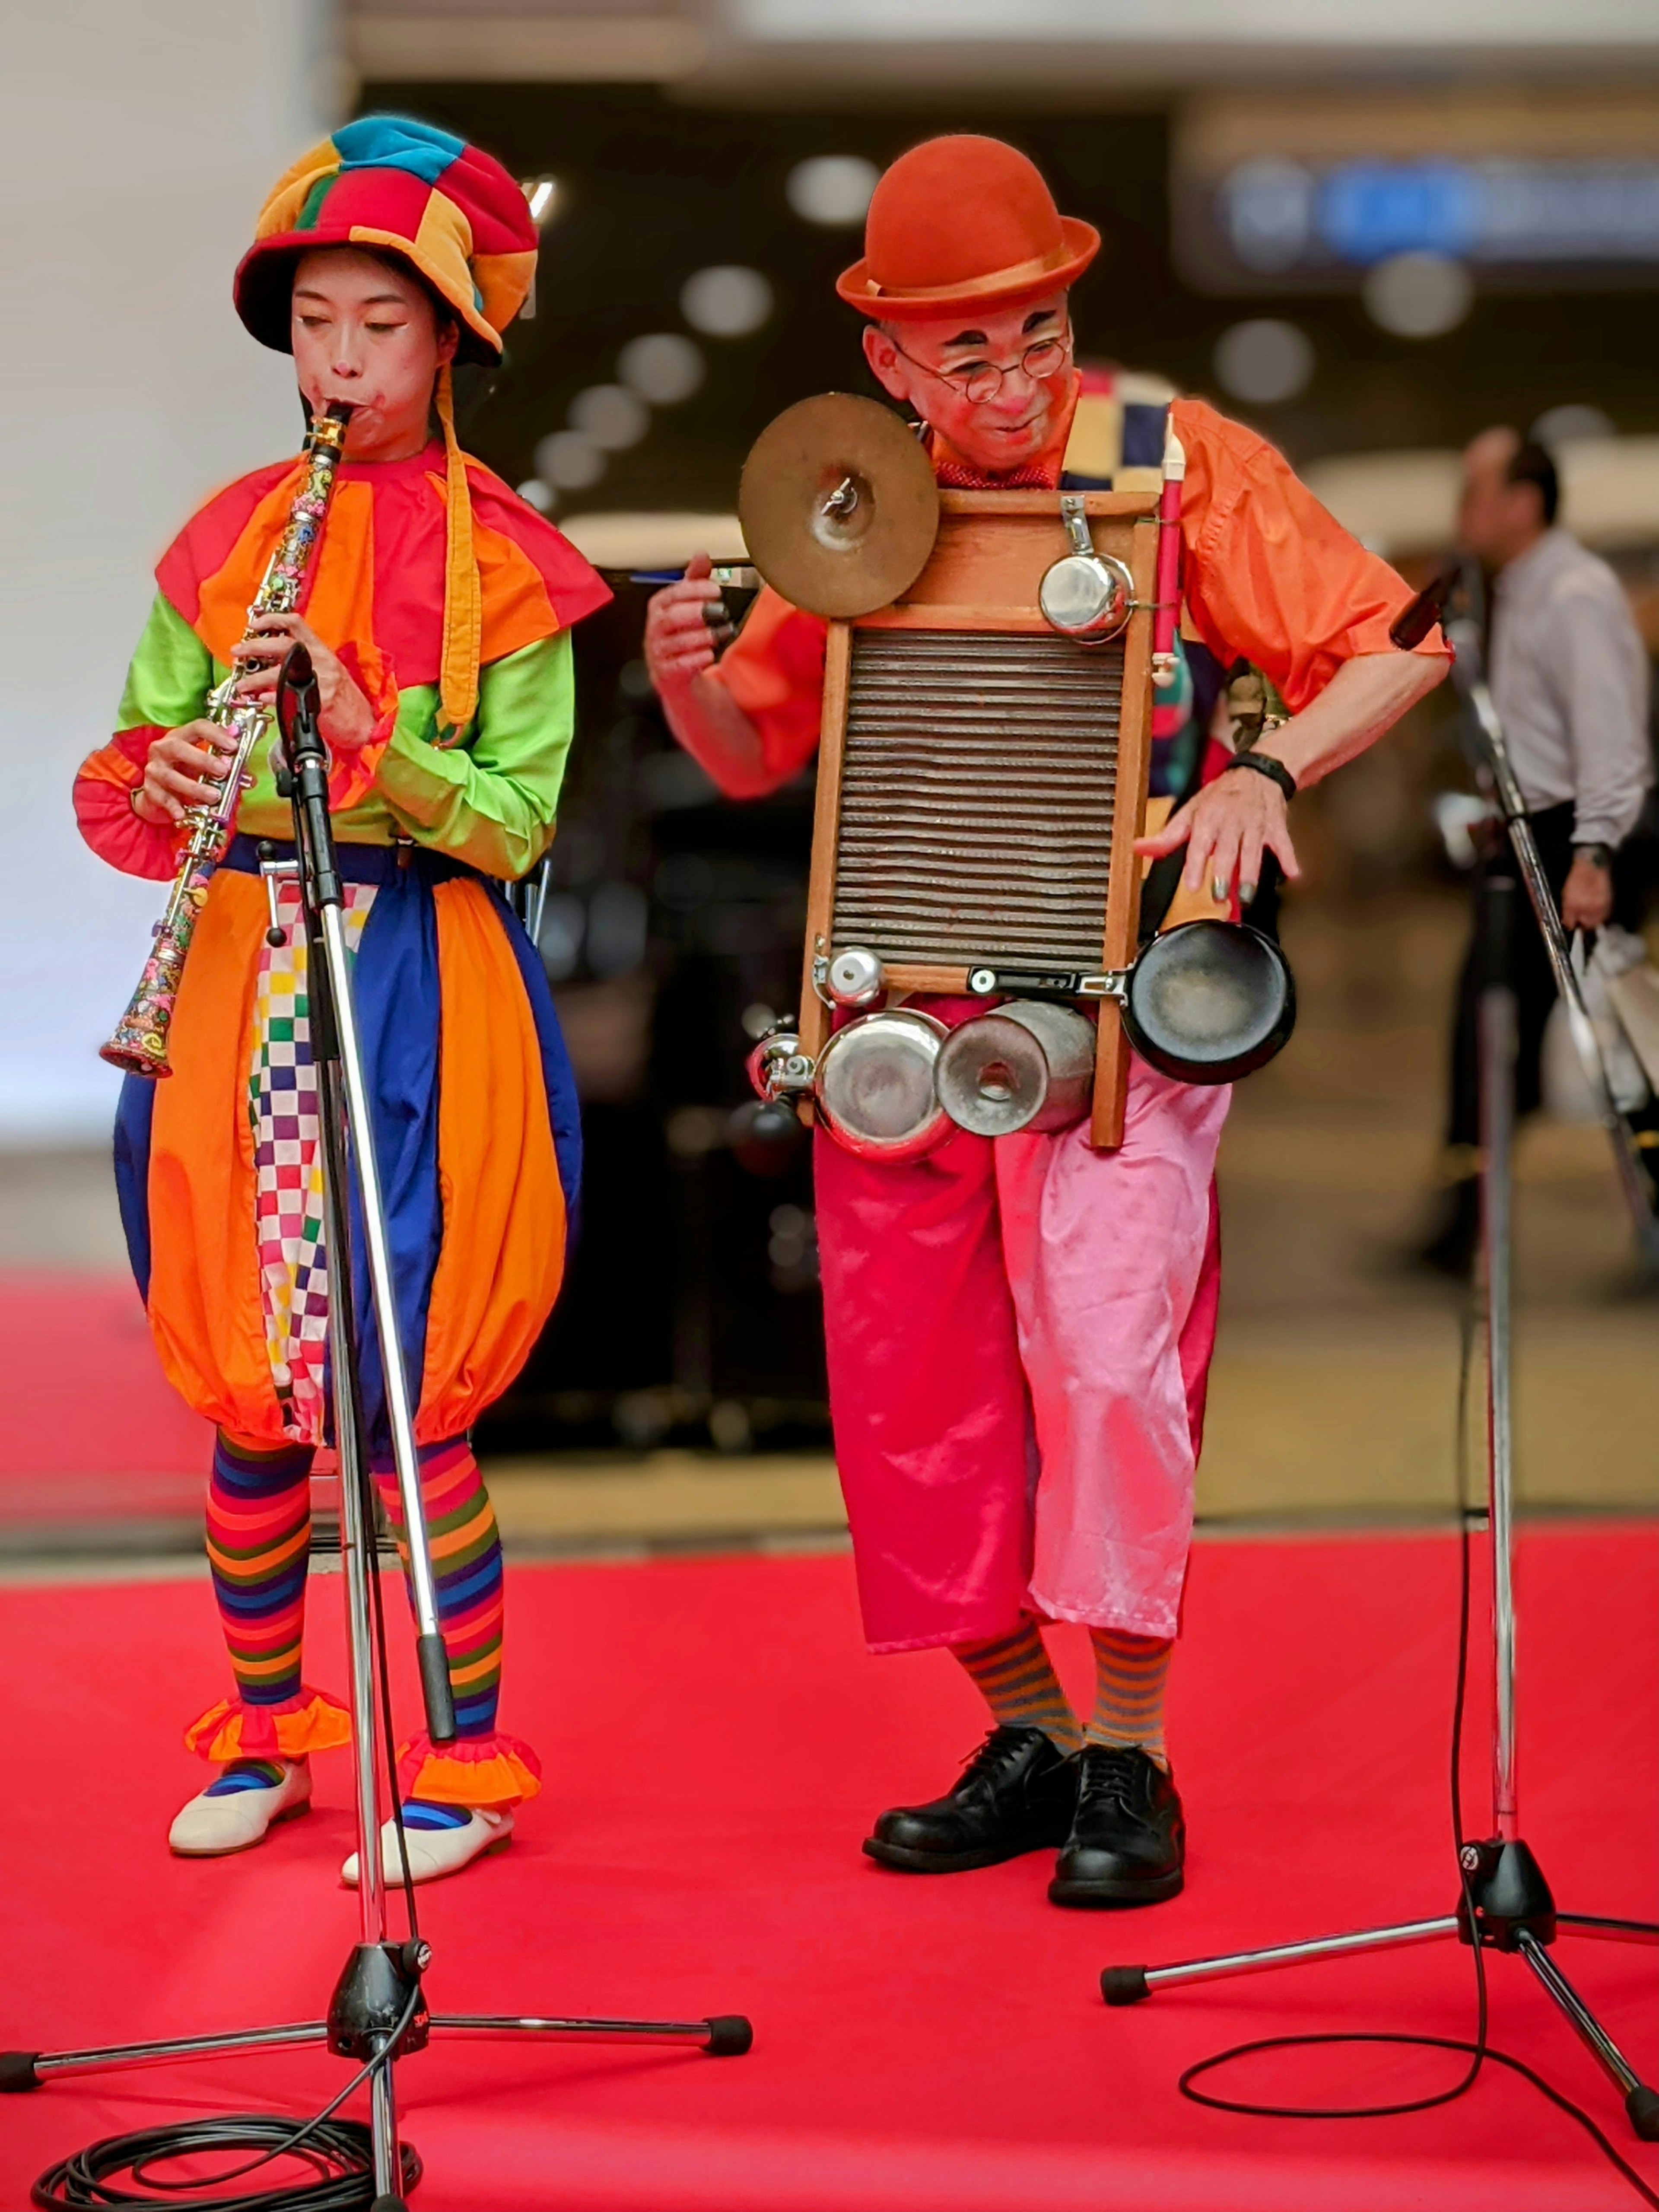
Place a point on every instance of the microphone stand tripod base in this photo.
(1507, 1904)
(1514, 1913)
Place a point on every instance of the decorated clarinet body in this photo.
(139, 1045)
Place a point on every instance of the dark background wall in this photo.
(653, 189)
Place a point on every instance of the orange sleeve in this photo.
(1270, 575)
(104, 785)
(773, 670)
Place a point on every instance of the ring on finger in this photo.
(1218, 888)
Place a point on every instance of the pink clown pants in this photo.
(1019, 1337)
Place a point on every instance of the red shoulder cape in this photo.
(377, 583)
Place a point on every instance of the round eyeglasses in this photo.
(981, 382)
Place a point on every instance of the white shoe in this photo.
(208, 1826)
(434, 1852)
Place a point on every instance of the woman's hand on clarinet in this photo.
(346, 717)
(1226, 827)
(186, 768)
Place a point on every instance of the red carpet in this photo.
(716, 1742)
(88, 1409)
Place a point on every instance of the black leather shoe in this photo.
(1017, 1793)
(1128, 1839)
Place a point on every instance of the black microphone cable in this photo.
(1481, 2051)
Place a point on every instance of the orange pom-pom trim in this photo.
(231, 1729)
(490, 1769)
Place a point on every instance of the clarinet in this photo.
(139, 1045)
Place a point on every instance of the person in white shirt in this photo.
(1569, 679)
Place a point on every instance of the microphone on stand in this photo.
(298, 697)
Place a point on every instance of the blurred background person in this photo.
(1570, 682)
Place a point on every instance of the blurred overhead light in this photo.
(1418, 295)
(569, 460)
(617, 916)
(1519, 26)
(543, 195)
(534, 493)
(1269, 211)
(832, 189)
(1559, 426)
(662, 368)
(564, 919)
(726, 301)
(1264, 360)
(609, 415)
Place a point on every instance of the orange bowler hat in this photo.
(963, 221)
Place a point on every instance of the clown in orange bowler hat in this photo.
(1019, 1331)
(438, 613)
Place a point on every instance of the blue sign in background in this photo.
(1367, 211)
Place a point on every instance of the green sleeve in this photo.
(490, 800)
(171, 675)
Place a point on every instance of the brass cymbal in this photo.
(839, 506)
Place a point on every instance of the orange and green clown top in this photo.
(376, 596)
(474, 1109)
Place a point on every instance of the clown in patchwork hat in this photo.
(438, 611)
(1019, 1330)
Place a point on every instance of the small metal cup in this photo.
(1028, 1065)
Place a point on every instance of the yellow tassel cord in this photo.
(458, 675)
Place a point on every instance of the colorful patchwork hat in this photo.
(963, 221)
(404, 187)
(454, 214)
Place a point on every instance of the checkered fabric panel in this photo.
(287, 1166)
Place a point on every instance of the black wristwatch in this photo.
(1596, 851)
(1265, 764)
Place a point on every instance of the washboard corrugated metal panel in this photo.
(978, 786)
(982, 779)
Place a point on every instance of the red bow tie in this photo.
(955, 477)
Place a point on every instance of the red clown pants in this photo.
(1019, 1337)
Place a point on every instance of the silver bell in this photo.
(854, 978)
(777, 1068)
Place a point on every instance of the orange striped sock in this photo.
(1016, 1677)
(1130, 1674)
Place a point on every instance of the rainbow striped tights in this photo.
(258, 1534)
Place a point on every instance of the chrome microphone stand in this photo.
(528, 899)
(377, 2012)
(1506, 1903)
